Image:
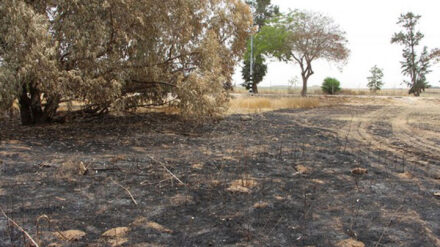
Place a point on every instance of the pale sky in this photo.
(369, 26)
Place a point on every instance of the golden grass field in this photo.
(271, 99)
(248, 105)
(243, 103)
(432, 92)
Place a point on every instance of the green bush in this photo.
(331, 86)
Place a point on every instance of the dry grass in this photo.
(431, 92)
(245, 105)
(383, 92)
(272, 90)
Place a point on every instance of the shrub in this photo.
(375, 79)
(331, 86)
(184, 59)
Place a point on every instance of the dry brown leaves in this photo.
(116, 236)
(359, 171)
(144, 222)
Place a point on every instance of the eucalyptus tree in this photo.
(415, 66)
(119, 54)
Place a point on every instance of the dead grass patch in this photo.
(117, 232)
(302, 169)
(318, 181)
(246, 105)
(242, 185)
(117, 242)
(180, 199)
(350, 243)
(158, 227)
(197, 166)
(145, 223)
(261, 205)
(70, 235)
(405, 175)
(71, 168)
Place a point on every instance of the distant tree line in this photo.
(303, 37)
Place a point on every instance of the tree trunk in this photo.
(25, 108)
(304, 89)
(417, 93)
(254, 88)
(31, 109)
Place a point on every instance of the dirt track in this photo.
(280, 178)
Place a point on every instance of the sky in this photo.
(369, 26)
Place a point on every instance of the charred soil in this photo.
(281, 178)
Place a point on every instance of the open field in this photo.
(431, 92)
(285, 177)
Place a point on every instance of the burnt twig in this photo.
(28, 236)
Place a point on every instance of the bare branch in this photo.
(19, 228)
(166, 169)
(128, 192)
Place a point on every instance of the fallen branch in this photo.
(129, 193)
(19, 228)
(166, 169)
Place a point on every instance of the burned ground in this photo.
(281, 178)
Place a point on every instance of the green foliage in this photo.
(259, 71)
(303, 37)
(272, 41)
(331, 86)
(414, 66)
(263, 10)
(375, 79)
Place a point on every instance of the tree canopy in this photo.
(119, 54)
(262, 10)
(303, 37)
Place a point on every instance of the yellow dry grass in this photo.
(245, 105)
(397, 92)
(242, 185)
